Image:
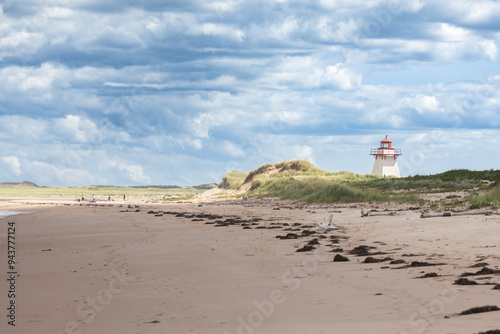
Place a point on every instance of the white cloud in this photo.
(44, 173)
(78, 129)
(342, 4)
(475, 12)
(284, 30)
(223, 6)
(195, 143)
(423, 103)
(276, 120)
(191, 82)
(310, 72)
(201, 125)
(231, 149)
(216, 29)
(411, 6)
(20, 42)
(110, 37)
(341, 77)
(17, 128)
(12, 164)
(35, 79)
(132, 173)
(303, 152)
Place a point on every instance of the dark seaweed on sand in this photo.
(313, 242)
(364, 250)
(429, 275)
(484, 271)
(479, 265)
(464, 281)
(288, 236)
(480, 309)
(340, 258)
(370, 259)
(306, 248)
(361, 250)
(416, 264)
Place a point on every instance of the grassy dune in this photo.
(302, 181)
(233, 180)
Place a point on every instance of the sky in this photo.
(179, 92)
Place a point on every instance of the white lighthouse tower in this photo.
(385, 159)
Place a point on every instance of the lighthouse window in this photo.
(385, 144)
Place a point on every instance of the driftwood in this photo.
(326, 225)
(449, 213)
(371, 213)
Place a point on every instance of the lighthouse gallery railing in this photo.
(386, 151)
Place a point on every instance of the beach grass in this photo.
(302, 181)
(233, 180)
(490, 198)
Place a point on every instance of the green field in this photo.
(102, 192)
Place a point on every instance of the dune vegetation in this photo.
(302, 181)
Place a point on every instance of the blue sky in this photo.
(180, 92)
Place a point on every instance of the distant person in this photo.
(93, 198)
(109, 198)
(83, 197)
(123, 196)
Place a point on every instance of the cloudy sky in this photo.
(182, 91)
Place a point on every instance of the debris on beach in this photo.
(340, 258)
(484, 271)
(288, 236)
(375, 213)
(361, 250)
(429, 275)
(465, 281)
(479, 265)
(326, 225)
(450, 213)
(313, 242)
(413, 255)
(306, 233)
(480, 309)
(306, 248)
(370, 259)
(364, 250)
(416, 264)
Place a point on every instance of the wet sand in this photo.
(220, 268)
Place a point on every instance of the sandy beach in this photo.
(220, 268)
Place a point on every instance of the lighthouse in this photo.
(385, 159)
